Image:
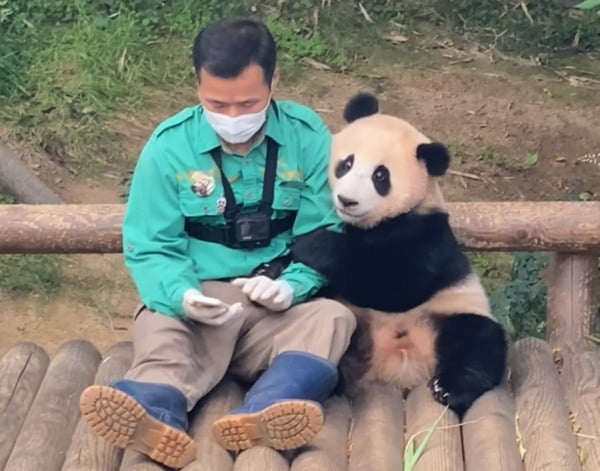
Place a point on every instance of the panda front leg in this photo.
(471, 353)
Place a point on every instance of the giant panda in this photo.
(423, 315)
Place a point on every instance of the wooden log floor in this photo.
(546, 416)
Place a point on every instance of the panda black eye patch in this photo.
(344, 166)
(381, 180)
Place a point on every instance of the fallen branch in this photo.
(465, 175)
(21, 183)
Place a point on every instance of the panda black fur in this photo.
(423, 316)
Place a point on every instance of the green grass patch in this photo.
(32, 275)
(68, 66)
(6, 199)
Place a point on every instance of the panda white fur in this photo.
(423, 315)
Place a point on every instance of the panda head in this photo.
(382, 167)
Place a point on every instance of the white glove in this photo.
(275, 295)
(209, 311)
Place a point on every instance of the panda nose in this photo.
(346, 201)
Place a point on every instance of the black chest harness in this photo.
(245, 227)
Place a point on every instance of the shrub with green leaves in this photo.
(521, 303)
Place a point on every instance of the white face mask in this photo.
(238, 129)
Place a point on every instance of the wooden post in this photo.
(570, 297)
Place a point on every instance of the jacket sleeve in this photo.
(315, 211)
(154, 240)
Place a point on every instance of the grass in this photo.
(492, 158)
(68, 67)
(6, 199)
(412, 456)
(32, 275)
(73, 66)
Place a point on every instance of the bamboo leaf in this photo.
(588, 4)
(410, 456)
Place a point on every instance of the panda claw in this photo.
(439, 394)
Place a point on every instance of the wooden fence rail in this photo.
(494, 226)
(570, 230)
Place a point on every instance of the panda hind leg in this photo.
(471, 353)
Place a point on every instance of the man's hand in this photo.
(275, 295)
(209, 311)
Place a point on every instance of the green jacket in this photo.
(164, 261)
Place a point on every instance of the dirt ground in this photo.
(495, 118)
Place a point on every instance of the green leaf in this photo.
(531, 160)
(409, 451)
(584, 196)
(410, 456)
(588, 4)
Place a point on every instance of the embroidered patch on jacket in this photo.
(203, 184)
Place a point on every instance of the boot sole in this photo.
(121, 420)
(282, 426)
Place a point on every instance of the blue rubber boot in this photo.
(282, 410)
(147, 417)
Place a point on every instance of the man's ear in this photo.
(275, 80)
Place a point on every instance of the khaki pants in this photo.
(194, 357)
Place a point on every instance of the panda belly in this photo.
(404, 346)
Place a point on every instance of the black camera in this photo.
(251, 230)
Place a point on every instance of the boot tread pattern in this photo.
(122, 421)
(282, 426)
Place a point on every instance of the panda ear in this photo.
(361, 105)
(436, 157)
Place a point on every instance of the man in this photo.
(218, 194)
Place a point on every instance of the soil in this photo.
(494, 117)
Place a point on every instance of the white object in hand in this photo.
(275, 295)
(207, 310)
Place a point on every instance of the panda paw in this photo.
(452, 394)
(439, 393)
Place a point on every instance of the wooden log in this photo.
(19, 181)
(570, 297)
(48, 428)
(377, 432)
(261, 458)
(512, 225)
(60, 228)
(491, 226)
(328, 451)
(134, 461)
(22, 370)
(581, 382)
(87, 450)
(489, 435)
(210, 455)
(443, 452)
(542, 416)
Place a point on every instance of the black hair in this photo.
(225, 48)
